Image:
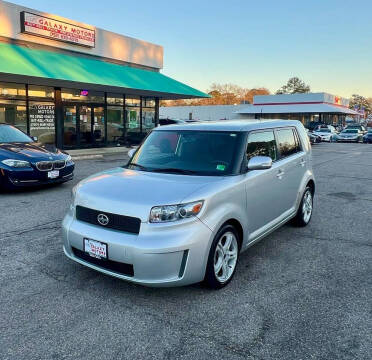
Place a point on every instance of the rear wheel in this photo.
(223, 257)
(305, 210)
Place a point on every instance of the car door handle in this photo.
(280, 174)
(302, 162)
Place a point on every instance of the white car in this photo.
(326, 134)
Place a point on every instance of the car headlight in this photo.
(16, 163)
(68, 158)
(167, 213)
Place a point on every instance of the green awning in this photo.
(59, 69)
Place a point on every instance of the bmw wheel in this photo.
(223, 257)
(305, 210)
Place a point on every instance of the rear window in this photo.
(288, 143)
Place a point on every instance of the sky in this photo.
(249, 43)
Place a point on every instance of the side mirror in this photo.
(260, 163)
(131, 152)
(34, 138)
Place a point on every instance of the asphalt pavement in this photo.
(298, 294)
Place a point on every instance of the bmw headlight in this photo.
(167, 213)
(16, 163)
(68, 158)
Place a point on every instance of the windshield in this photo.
(210, 153)
(10, 134)
(324, 130)
(350, 131)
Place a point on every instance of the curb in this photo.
(86, 157)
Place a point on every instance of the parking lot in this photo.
(301, 293)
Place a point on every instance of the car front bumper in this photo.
(25, 177)
(160, 255)
(348, 139)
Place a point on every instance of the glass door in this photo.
(85, 126)
(69, 127)
(98, 125)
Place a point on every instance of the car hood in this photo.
(134, 193)
(29, 151)
(322, 134)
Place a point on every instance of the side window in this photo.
(287, 143)
(298, 141)
(261, 144)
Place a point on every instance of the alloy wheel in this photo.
(307, 206)
(225, 257)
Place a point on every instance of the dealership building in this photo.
(307, 108)
(75, 85)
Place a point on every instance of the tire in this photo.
(305, 210)
(221, 266)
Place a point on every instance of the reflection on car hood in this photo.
(29, 151)
(134, 193)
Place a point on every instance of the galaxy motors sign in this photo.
(57, 30)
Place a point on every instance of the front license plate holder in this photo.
(94, 248)
(53, 174)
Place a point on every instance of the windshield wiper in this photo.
(138, 165)
(174, 170)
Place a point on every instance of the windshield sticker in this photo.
(221, 167)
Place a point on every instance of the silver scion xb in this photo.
(190, 200)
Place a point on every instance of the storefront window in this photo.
(12, 91)
(13, 112)
(148, 119)
(42, 126)
(115, 99)
(115, 126)
(73, 95)
(133, 101)
(44, 92)
(148, 102)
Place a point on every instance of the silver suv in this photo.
(190, 200)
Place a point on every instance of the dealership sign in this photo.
(56, 30)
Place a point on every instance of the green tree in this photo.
(360, 102)
(294, 86)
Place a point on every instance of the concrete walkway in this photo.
(81, 154)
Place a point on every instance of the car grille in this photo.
(118, 267)
(59, 164)
(50, 165)
(44, 165)
(116, 222)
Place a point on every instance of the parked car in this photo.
(350, 135)
(359, 127)
(190, 200)
(168, 121)
(314, 125)
(326, 134)
(314, 139)
(324, 126)
(23, 162)
(367, 138)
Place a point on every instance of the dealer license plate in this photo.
(95, 248)
(53, 174)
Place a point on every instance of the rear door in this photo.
(291, 166)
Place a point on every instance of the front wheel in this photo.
(223, 257)
(305, 210)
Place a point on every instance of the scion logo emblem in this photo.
(103, 219)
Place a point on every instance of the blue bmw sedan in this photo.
(23, 162)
